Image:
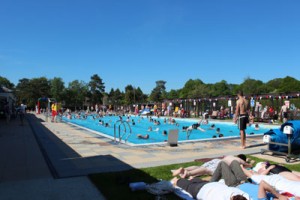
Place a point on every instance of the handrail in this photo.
(120, 137)
(123, 123)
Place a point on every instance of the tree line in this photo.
(78, 93)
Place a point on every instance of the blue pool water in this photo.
(228, 129)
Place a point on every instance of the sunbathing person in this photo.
(209, 167)
(201, 189)
(233, 175)
(263, 191)
(264, 168)
(280, 183)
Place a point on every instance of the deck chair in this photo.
(173, 137)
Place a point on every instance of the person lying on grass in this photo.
(265, 168)
(209, 167)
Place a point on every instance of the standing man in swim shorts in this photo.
(284, 112)
(241, 117)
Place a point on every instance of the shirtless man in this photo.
(241, 117)
(284, 112)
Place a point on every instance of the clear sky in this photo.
(138, 42)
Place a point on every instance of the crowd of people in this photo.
(156, 123)
(235, 178)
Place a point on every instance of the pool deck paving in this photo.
(45, 160)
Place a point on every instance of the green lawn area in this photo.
(115, 185)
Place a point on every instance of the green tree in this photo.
(76, 94)
(159, 92)
(139, 95)
(57, 88)
(96, 89)
(234, 88)
(23, 90)
(129, 96)
(192, 89)
(6, 83)
(173, 94)
(200, 91)
(274, 85)
(29, 91)
(251, 86)
(289, 85)
(116, 97)
(220, 89)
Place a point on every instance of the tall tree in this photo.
(76, 94)
(116, 97)
(200, 91)
(220, 89)
(289, 85)
(6, 83)
(274, 85)
(40, 87)
(173, 94)
(29, 91)
(139, 95)
(23, 90)
(251, 86)
(159, 92)
(129, 97)
(57, 88)
(96, 89)
(190, 89)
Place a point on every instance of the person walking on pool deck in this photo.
(241, 117)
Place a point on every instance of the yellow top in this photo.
(54, 107)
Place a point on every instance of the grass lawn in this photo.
(115, 185)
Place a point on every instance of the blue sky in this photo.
(138, 42)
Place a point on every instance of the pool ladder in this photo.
(117, 126)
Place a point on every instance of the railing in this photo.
(125, 125)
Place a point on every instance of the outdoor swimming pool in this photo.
(142, 124)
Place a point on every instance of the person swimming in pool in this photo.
(140, 136)
(212, 127)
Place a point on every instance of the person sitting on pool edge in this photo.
(140, 136)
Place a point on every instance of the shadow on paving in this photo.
(63, 161)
